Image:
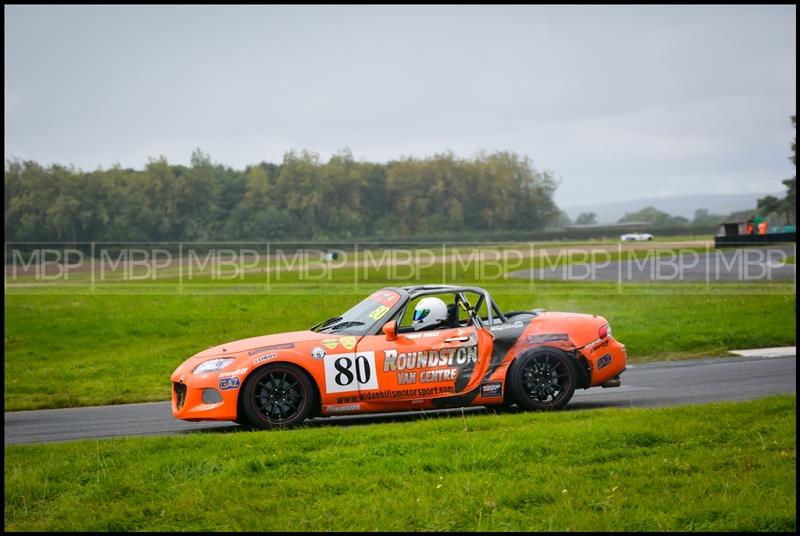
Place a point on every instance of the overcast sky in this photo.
(618, 102)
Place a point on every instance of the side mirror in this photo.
(390, 330)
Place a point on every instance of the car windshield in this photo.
(358, 319)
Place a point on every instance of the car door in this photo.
(425, 364)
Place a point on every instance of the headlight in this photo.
(212, 365)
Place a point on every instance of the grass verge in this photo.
(725, 466)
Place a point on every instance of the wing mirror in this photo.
(390, 330)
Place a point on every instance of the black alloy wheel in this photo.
(542, 379)
(277, 396)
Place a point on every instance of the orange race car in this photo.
(409, 348)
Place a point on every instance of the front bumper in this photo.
(200, 398)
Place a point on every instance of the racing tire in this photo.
(276, 396)
(543, 379)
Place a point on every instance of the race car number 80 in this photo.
(350, 372)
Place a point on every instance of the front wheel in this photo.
(277, 396)
(544, 379)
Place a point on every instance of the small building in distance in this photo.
(754, 230)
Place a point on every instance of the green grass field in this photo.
(716, 467)
(70, 343)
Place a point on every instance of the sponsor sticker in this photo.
(283, 346)
(265, 357)
(491, 389)
(596, 345)
(348, 342)
(604, 361)
(318, 353)
(237, 372)
(330, 344)
(343, 408)
(226, 384)
(385, 297)
(423, 335)
(446, 357)
(501, 327)
(546, 337)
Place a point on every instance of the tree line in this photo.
(302, 198)
(702, 217)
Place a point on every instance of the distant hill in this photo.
(679, 205)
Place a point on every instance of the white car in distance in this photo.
(636, 236)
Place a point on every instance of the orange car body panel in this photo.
(463, 366)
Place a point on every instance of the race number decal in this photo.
(379, 312)
(350, 372)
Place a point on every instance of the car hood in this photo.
(264, 342)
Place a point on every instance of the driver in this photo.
(428, 313)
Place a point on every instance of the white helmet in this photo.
(429, 312)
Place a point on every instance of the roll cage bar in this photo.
(409, 293)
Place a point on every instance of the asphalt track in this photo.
(648, 385)
(747, 264)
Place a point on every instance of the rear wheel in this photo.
(543, 379)
(277, 396)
